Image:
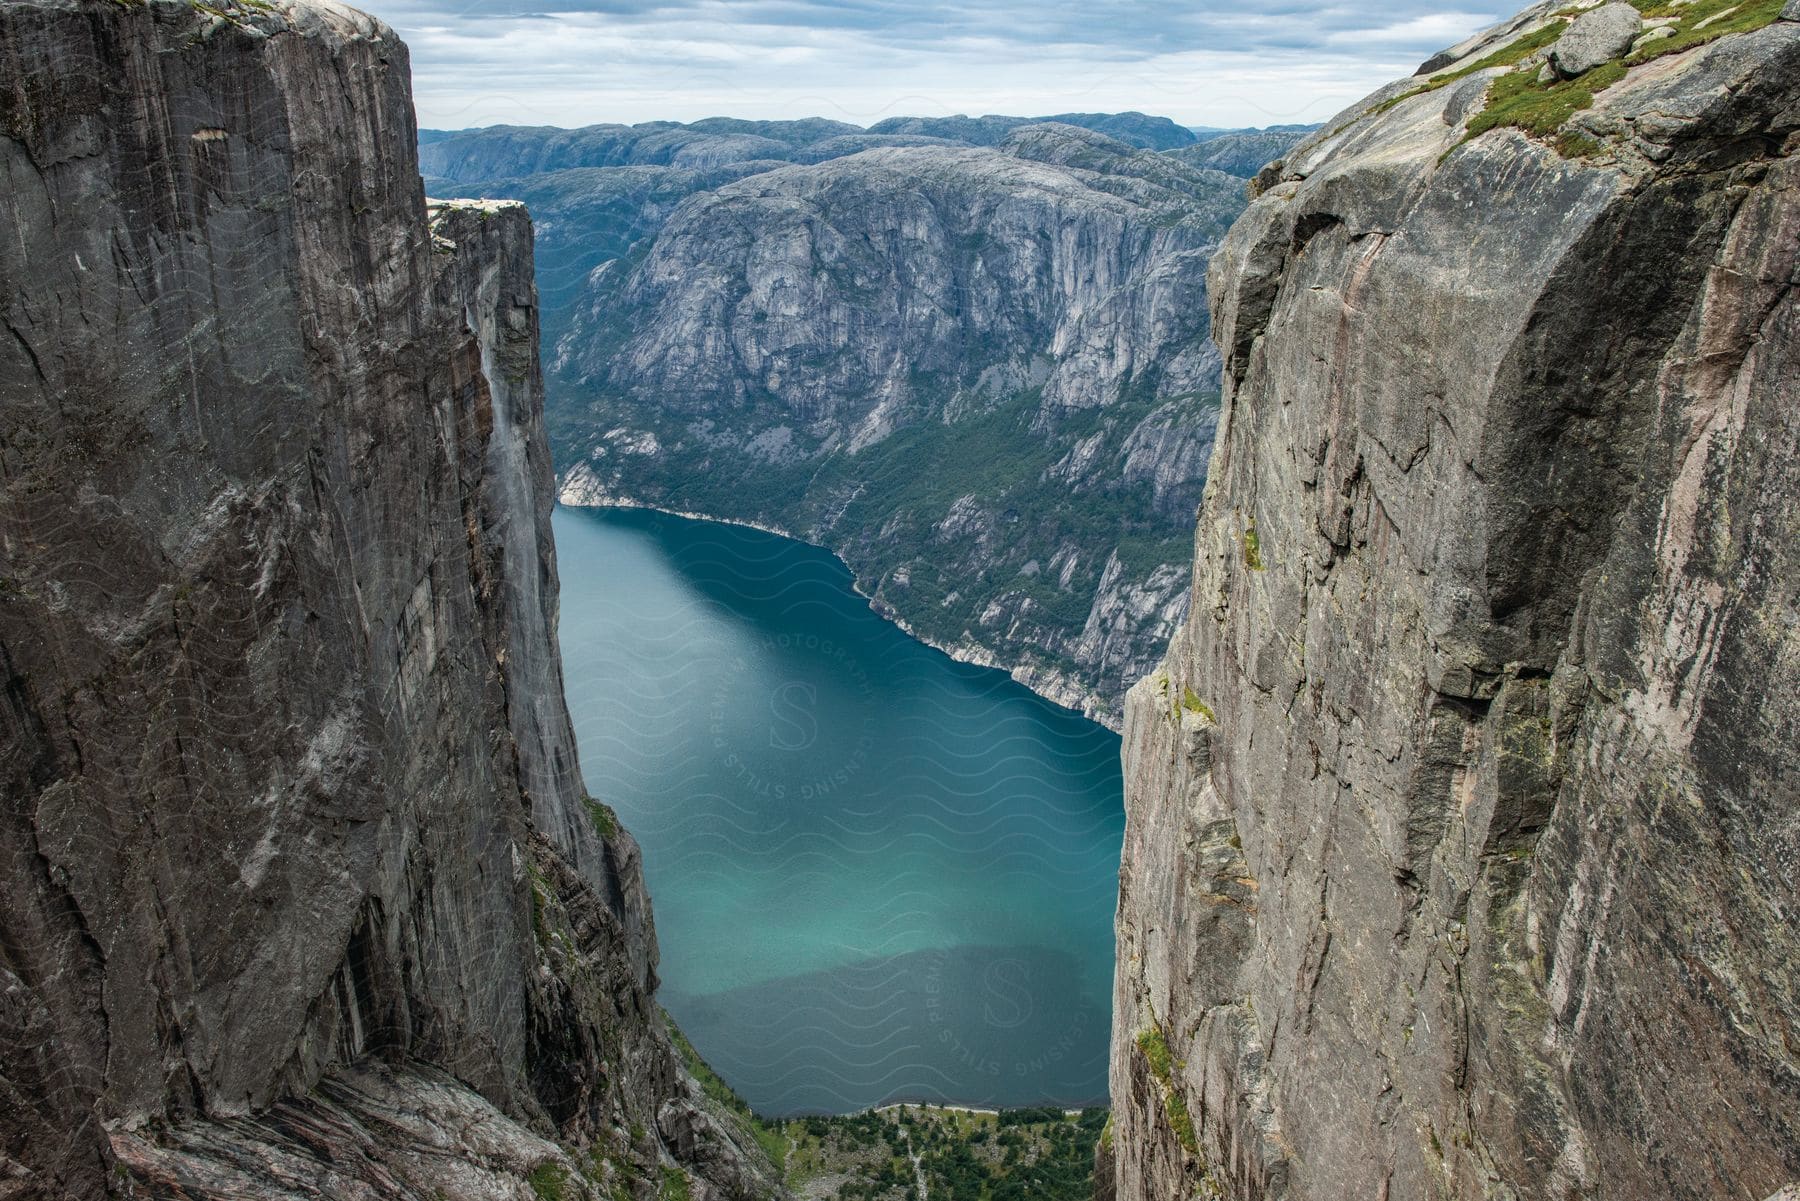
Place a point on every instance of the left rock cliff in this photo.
(302, 894)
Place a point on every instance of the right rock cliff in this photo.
(1464, 812)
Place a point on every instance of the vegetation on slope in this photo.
(1043, 1154)
(884, 508)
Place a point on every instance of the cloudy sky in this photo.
(577, 62)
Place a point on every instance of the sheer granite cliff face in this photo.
(1464, 813)
(302, 894)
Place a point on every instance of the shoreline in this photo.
(1064, 696)
(897, 1105)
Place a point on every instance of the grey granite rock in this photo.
(1462, 818)
(1596, 36)
(289, 784)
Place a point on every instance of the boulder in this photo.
(1653, 35)
(1596, 37)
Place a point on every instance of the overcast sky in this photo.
(486, 62)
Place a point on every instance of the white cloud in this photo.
(1440, 29)
(628, 60)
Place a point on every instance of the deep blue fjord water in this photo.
(878, 874)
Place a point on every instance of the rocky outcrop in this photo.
(588, 217)
(980, 375)
(1462, 816)
(304, 895)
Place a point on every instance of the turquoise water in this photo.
(878, 874)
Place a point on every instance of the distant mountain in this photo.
(511, 151)
(1242, 152)
(1134, 129)
(1208, 133)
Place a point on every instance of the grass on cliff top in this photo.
(1506, 56)
(1518, 101)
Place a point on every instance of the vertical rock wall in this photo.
(295, 846)
(1464, 813)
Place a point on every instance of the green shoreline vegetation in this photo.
(1036, 1154)
(905, 485)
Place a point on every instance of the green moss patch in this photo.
(606, 822)
(1704, 22)
(675, 1186)
(1519, 101)
(1180, 1121)
(1155, 1049)
(549, 1180)
(541, 894)
(1253, 558)
(1190, 700)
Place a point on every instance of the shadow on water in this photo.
(834, 817)
(983, 1026)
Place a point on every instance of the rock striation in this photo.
(302, 893)
(1463, 814)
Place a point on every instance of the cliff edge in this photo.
(303, 895)
(1463, 815)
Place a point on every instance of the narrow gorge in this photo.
(1461, 744)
